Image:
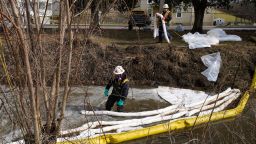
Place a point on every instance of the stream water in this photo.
(239, 130)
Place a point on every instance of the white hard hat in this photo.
(165, 6)
(119, 70)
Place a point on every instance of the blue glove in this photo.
(120, 103)
(105, 92)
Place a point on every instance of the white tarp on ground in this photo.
(221, 35)
(178, 96)
(191, 99)
(213, 37)
(198, 40)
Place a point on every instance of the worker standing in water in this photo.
(119, 93)
(167, 16)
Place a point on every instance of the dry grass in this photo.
(124, 38)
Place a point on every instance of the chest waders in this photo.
(117, 96)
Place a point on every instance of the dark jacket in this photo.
(167, 17)
(120, 88)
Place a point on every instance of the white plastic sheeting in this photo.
(190, 99)
(177, 96)
(164, 27)
(221, 35)
(198, 40)
(213, 62)
(213, 37)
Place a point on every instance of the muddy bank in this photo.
(147, 63)
(151, 64)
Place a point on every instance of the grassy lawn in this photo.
(228, 17)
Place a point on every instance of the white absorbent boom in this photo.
(164, 27)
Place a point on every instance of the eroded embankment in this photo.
(148, 63)
(152, 65)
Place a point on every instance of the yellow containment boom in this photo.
(171, 125)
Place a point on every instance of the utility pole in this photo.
(161, 5)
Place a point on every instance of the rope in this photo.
(176, 33)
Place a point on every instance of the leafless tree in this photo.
(28, 85)
(38, 66)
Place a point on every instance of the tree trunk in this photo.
(161, 5)
(199, 8)
(95, 20)
(56, 87)
(25, 48)
(29, 25)
(67, 88)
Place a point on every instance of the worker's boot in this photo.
(120, 108)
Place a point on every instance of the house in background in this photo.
(186, 17)
(46, 15)
(212, 16)
(179, 15)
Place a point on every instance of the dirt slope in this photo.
(151, 64)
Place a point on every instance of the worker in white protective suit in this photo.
(167, 16)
